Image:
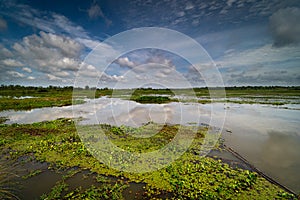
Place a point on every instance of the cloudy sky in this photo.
(50, 42)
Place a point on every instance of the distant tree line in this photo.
(59, 88)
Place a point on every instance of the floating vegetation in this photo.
(189, 177)
(32, 173)
(100, 188)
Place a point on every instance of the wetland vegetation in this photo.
(57, 144)
(152, 99)
(190, 177)
(26, 98)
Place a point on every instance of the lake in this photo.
(266, 135)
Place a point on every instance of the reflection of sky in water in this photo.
(266, 135)
(116, 111)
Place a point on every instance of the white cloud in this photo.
(88, 71)
(55, 57)
(67, 46)
(264, 65)
(61, 22)
(125, 62)
(53, 78)
(88, 42)
(160, 59)
(49, 22)
(15, 74)
(285, 26)
(4, 52)
(67, 63)
(44, 55)
(26, 69)
(223, 11)
(189, 6)
(12, 63)
(62, 74)
(49, 53)
(146, 61)
(230, 2)
(152, 73)
(260, 55)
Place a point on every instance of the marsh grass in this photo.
(40, 97)
(152, 99)
(39, 102)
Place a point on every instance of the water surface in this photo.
(267, 136)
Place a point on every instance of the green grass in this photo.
(190, 177)
(39, 97)
(151, 99)
(263, 91)
(31, 103)
(101, 188)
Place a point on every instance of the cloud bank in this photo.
(285, 26)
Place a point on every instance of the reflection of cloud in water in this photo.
(116, 112)
(38, 115)
(143, 114)
(281, 157)
(281, 148)
(267, 136)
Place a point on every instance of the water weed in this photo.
(189, 177)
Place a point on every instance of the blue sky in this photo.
(250, 42)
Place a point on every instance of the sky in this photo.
(61, 42)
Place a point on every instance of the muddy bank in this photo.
(34, 180)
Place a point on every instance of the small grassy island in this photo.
(152, 99)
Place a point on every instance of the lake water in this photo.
(267, 136)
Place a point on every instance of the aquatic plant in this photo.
(32, 173)
(190, 177)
